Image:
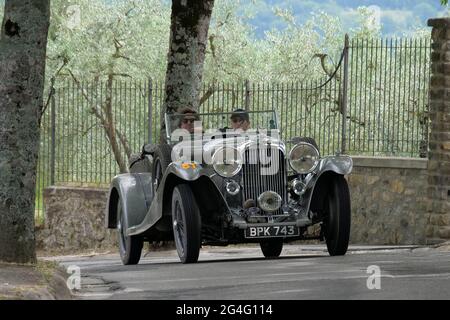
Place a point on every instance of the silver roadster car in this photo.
(215, 184)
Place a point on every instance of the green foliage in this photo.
(94, 38)
(91, 39)
(130, 39)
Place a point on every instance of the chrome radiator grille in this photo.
(264, 169)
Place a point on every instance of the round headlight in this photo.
(304, 158)
(227, 162)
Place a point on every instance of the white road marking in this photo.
(289, 291)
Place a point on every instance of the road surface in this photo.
(241, 273)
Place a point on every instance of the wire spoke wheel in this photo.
(130, 247)
(120, 228)
(179, 228)
(158, 174)
(161, 161)
(186, 224)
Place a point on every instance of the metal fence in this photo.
(375, 103)
(388, 97)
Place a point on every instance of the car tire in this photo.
(162, 159)
(271, 248)
(130, 247)
(338, 217)
(186, 223)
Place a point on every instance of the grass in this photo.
(46, 269)
(39, 219)
(39, 282)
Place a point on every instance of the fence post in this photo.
(53, 132)
(247, 95)
(150, 110)
(344, 95)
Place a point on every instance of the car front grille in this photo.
(264, 169)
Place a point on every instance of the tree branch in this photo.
(207, 94)
(124, 142)
(52, 89)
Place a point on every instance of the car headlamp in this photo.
(227, 162)
(304, 158)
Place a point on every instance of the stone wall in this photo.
(388, 201)
(75, 220)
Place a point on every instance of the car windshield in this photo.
(229, 123)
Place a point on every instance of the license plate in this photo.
(272, 232)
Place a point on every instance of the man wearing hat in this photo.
(240, 120)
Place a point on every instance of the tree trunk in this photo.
(23, 43)
(188, 40)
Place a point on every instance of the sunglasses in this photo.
(185, 121)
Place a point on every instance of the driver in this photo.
(188, 119)
(240, 120)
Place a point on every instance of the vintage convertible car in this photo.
(221, 187)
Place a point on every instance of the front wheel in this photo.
(186, 224)
(130, 247)
(271, 248)
(338, 217)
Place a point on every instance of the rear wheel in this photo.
(161, 161)
(186, 224)
(338, 217)
(130, 247)
(271, 248)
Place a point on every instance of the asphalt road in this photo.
(302, 272)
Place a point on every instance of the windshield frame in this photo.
(169, 128)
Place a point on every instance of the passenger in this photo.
(240, 120)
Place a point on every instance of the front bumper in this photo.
(240, 223)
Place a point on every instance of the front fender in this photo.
(328, 167)
(135, 192)
(189, 171)
(176, 171)
(340, 164)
